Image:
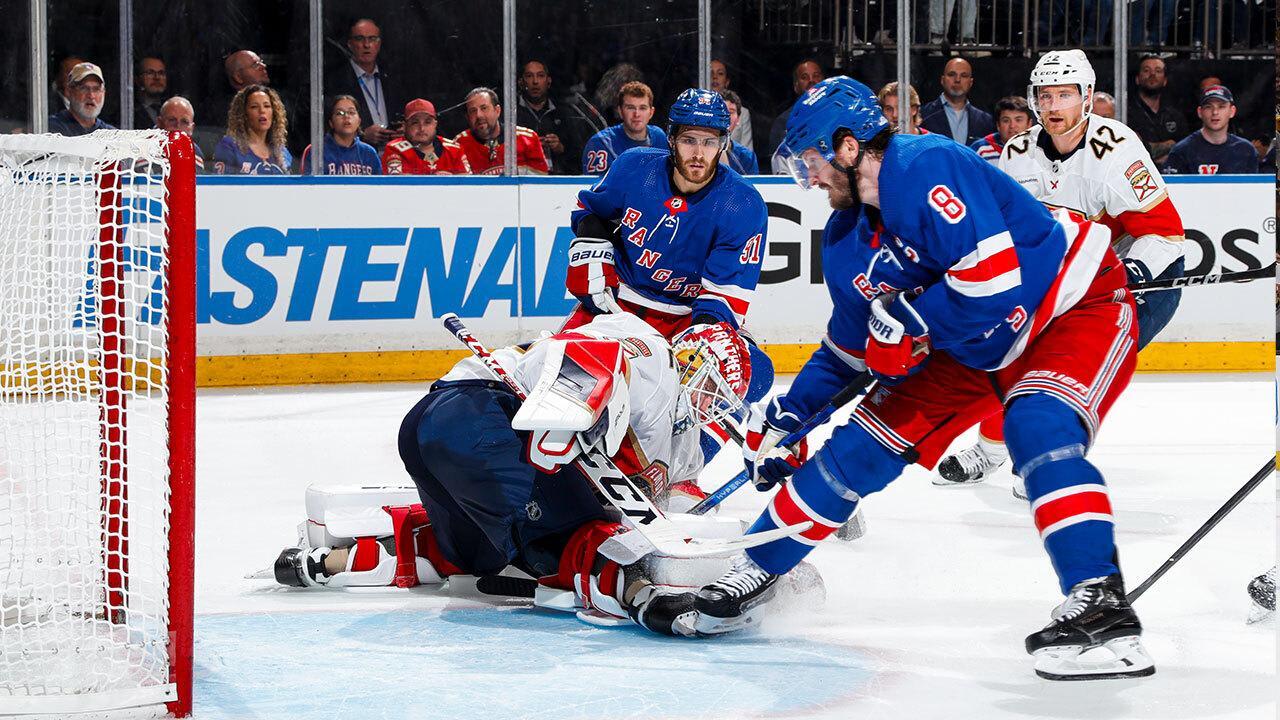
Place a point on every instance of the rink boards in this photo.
(307, 280)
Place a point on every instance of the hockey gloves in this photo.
(1137, 272)
(768, 464)
(898, 341)
(593, 279)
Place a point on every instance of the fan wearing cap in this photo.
(1098, 168)
(1213, 150)
(344, 152)
(86, 91)
(421, 151)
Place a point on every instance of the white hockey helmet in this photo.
(1063, 67)
(714, 365)
(582, 391)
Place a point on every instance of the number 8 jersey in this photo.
(1109, 177)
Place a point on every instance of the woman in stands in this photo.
(257, 129)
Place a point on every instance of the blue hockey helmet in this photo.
(835, 103)
(700, 108)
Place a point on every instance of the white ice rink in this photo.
(925, 615)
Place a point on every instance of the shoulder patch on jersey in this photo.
(1140, 180)
(402, 145)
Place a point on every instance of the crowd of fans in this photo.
(372, 128)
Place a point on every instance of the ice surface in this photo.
(925, 615)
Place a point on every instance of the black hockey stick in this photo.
(1198, 535)
(859, 385)
(1206, 279)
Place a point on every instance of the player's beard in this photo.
(840, 192)
(706, 172)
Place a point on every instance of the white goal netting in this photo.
(84, 487)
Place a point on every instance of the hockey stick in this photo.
(1206, 279)
(1198, 535)
(860, 384)
(653, 529)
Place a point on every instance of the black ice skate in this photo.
(1262, 590)
(1094, 635)
(735, 601)
(301, 567)
(970, 466)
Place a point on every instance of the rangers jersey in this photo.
(1110, 178)
(676, 254)
(446, 158)
(487, 158)
(653, 449)
(605, 146)
(988, 147)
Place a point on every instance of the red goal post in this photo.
(97, 422)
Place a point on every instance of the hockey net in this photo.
(97, 328)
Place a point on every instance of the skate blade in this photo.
(1122, 657)
(711, 625)
(1259, 614)
(946, 482)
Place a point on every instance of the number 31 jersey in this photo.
(1109, 177)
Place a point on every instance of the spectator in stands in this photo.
(951, 113)
(421, 151)
(86, 91)
(60, 99)
(151, 78)
(888, 97)
(245, 68)
(1158, 124)
(611, 84)
(635, 107)
(1013, 117)
(1212, 150)
(940, 17)
(482, 141)
(804, 75)
(177, 115)
(720, 82)
(1104, 105)
(376, 92)
(561, 130)
(740, 157)
(257, 127)
(344, 152)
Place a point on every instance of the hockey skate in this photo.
(1094, 635)
(736, 601)
(971, 466)
(302, 567)
(1262, 590)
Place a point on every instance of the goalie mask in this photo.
(714, 366)
(582, 393)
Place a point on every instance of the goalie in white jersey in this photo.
(496, 477)
(1099, 168)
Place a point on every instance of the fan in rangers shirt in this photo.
(421, 151)
(482, 142)
(673, 235)
(1099, 169)
(1013, 117)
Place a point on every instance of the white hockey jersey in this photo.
(652, 448)
(1110, 178)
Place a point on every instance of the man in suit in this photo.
(376, 93)
(951, 114)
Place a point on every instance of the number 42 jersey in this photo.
(1109, 177)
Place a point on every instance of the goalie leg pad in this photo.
(1068, 496)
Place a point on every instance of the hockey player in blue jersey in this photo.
(960, 293)
(672, 235)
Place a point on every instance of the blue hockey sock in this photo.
(1068, 496)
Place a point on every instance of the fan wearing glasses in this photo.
(344, 152)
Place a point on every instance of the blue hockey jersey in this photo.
(605, 146)
(676, 254)
(987, 262)
(359, 159)
(741, 158)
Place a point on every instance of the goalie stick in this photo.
(651, 528)
(859, 385)
(1209, 524)
(1206, 279)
